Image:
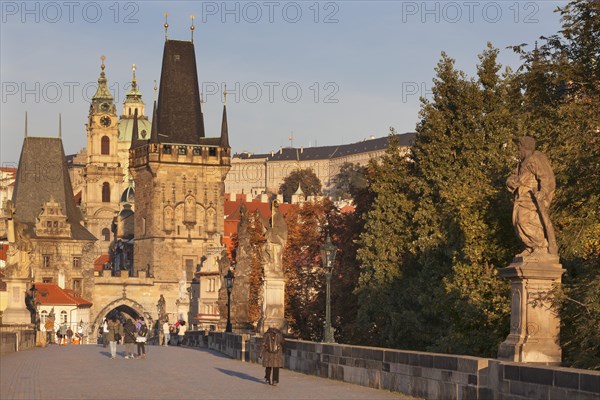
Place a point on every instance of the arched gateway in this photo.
(124, 307)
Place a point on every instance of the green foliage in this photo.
(437, 221)
(351, 178)
(309, 183)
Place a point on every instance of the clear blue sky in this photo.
(360, 66)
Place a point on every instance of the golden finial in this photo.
(133, 80)
(225, 96)
(102, 57)
(166, 25)
(155, 89)
(192, 27)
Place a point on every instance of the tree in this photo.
(564, 71)
(309, 183)
(350, 178)
(305, 299)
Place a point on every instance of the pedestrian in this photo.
(104, 333)
(80, 332)
(69, 335)
(49, 325)
(142, 335)
(166, 332)
(272, 355)
(115, 332)
(63, 333)
(181, 333)
(129, 338)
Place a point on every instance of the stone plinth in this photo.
(273, 306)
(534, 325)
(16, 312)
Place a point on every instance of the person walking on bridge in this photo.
(272, 354)
(115, 332)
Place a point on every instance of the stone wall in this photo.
(16, 339)
(425, 375)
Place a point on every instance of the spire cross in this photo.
(225, 96)
(102, 57)
(133, 80)
(155, 89)
(166, 25)
(192, 27)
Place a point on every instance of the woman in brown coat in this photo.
(272, 354)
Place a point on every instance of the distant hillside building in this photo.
(262, 173)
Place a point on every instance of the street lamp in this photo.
(328, 252)
(229, 278)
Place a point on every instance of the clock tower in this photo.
(103, 171)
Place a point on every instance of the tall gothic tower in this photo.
(103, 172)
(179, 178)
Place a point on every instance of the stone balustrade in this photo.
(420, 374)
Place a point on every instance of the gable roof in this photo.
(52, 294)
(43, 174)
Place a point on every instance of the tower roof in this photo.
(224, 129)
(42, 175)
(102, 93)
(179, 113)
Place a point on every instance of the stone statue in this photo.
(533, 186)
(162, 308)
(276, 236)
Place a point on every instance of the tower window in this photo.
(46, 261)
(212, 151)
(105, 145)
(182, 150)
(76, 262)
(106, 234)
(105, 192)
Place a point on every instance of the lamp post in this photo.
(229, 278)
(328, 252)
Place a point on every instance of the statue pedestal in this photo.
(273, 306)
(534, 325)
(16, 311)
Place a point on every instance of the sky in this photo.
(301, 73)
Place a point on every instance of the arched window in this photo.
(106, 234)
(105, 192)
(63, 316)
(43, 316)
(105, 145)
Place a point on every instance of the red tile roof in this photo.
(100, 261)
(52, 294)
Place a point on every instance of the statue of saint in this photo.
(533, 186)
(162, 307)
(276, 235)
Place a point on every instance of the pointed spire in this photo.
(224, 129)
(59, 125)
(192, 27)
(299, 190)
(102, 92)
(25, 123)
(166, 25)
(225, 96)
(135, 132)
(154, 130)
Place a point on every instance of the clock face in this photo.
(105, 121)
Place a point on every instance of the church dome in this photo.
(126, 128)
(125, 212)
(128, 195)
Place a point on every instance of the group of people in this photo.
(64, 334)
(176, 330)
(128, 333)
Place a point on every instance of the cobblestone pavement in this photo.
(88, 372)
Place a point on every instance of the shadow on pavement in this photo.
(105, 353)
(240, 375)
